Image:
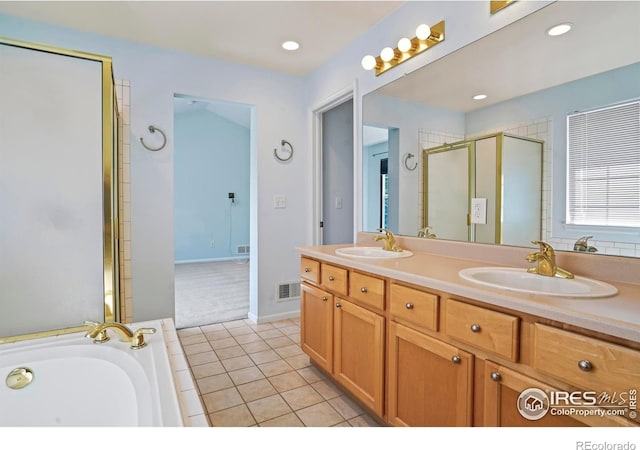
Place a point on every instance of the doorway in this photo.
(211, 210)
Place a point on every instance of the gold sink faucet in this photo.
(424, 233)
(99, 333)
(546, 262)
(389, 240)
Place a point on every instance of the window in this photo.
(603, 167)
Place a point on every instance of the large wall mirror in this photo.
(532, 82)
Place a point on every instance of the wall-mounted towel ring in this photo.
(282, 153)
(153, 129)
(407, 157)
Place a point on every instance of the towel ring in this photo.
(278, 153)
(153, 129)
(407, 157)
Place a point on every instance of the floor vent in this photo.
(288, 291)
(242, 249)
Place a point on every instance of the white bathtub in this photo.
(79, 383)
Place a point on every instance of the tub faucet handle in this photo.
(137, 341)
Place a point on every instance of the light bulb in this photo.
(479, 97)
(559, 29)
(423, 32)
(368, 62)
(290, 45)
(404, 45)
(387, 54)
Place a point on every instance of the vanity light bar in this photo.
(417, 46)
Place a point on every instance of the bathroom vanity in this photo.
(417, 345)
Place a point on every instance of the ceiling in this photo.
(519, 60)
(245, 32)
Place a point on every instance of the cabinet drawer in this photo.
(310, 270)
(367, 289)
(585, 362)
(334, 278)
(492, 331)
(414, 306)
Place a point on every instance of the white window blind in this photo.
(603, 174)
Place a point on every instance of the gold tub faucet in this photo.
(545, 260)
(136, 339)
(389, 240)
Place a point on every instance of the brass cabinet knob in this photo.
(331, 278)
(307, 270)
(338, 305)
(363, 290)
(325, 298)
(585, 365)
(475, 328)
(495, 376)
(409, 306)
(456, 359)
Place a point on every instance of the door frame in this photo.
(316, 112)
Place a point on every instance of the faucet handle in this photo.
(137, 341)
(544, 247)
(101, 337)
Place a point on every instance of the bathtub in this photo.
(79, 383)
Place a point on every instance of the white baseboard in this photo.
(228, 258)
(273, 317)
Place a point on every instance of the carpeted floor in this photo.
(211, 292)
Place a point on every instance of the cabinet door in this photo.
(430, 382)
(502, 390)
(359, 352)
(316, 325)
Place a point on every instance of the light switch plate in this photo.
(279, 201)
(479, 210)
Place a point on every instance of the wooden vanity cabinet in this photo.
(345, 337)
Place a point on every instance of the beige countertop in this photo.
(617, 316)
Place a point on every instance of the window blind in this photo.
(603, 174)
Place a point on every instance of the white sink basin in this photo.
(519, 280)
(372, 253)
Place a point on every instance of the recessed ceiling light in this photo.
(559, 29)
(480, 97)
(290, 45)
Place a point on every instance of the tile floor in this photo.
(251, 374)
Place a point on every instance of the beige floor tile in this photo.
(287, 381)
(293, 329)
(282, 323)
(289, 351)
(302, 397)
(275, 367)
(246, 375)
(193, 339)
(212, 327)
(183, 332)
(192, 349)
(281, 341)
(255, 347)
(268, 408)
(234, 324)
(230, 352)
(208, 369)
(341, 424)
(327, 389)
(319, 415)
(237, 416)
(311, 374)
(264, 356)
(363, 421)
(223, 399)
(237, 331)
(298, 361)
(295, 338)
(288, 420)
(246, 338)
(223, 343)
(345, 407)
(214, 383)
(218, 334)
(261, 326)
(256, 390)
(202, 358)
(268, 334)
(239, 362)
